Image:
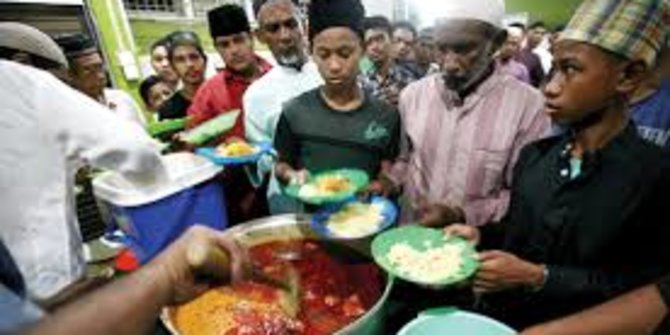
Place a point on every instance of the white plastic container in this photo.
(154, 216)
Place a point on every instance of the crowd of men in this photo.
(547, 150)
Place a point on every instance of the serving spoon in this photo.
(216, 263)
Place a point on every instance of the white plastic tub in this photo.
(153, 216)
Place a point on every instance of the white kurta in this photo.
(546, 58)
(46, 130)
(123, 104)
(264, 100)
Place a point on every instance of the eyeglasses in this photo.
(92, 69)
(289, 24)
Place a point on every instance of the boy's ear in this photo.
(632, 76)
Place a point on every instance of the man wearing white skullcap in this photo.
(24, 44)
(47, 129)
(488, 11)
(466, 125)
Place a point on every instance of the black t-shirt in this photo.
(174, 108)
(313, 136)
(664, 287)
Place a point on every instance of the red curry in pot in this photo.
(334, 292)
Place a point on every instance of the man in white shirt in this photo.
(47, 130)
(279, 27)
(537, 41)
(89, 75)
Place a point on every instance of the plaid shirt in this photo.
(388, 89)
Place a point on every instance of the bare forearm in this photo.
(636, 313)
(131, 305)
(127, 306)
(283, 171)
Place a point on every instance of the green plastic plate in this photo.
(168, 126)
(211, 129)
(359, 180)
(422, 239)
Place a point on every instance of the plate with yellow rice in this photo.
(329, 187)
(355, 219)
(236, 153)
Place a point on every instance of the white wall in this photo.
(379, 7)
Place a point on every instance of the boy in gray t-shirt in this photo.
(337, 125)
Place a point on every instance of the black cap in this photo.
(325, 14)
(227, 20)
(76, 45)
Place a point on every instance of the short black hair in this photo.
(559, 28)
(163, 42)
(184, 38)
(35, 60)
(378, 22)
(146, 85)
(407, 26)
(518, 25)
(537, 24)
(427, 34)
(258, 4)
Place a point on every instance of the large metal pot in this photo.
(291, 226)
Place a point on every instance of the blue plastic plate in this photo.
(211, 154)
(320, 219)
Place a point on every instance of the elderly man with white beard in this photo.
(280, 27)
(466, 125)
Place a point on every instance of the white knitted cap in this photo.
(25, 38)
(490, 11)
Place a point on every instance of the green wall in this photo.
(552, 12)
(146, 32)
(115, 38)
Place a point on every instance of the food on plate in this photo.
(326, 186)
(333, 293)
(236, 149)
(432, 265)
(333, 184)
(356, 219)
